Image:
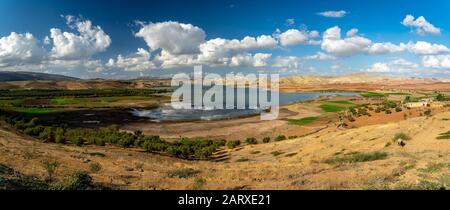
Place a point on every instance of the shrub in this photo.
(388, 111)
(251, 141)
(280, 138)
(401, 135)
(47, 135)
(79, 141)
(233, 144)
(50, 167)
(427, 113)
(183, 173)
(398, 109)
(95, 167)
(266, 139)
(79, 180)
(59, 136)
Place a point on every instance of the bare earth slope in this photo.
(363, 82)
(290, 164)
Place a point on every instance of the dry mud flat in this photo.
(290, 164)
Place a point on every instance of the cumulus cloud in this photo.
(355, 44)
(219, 51)
(287, 62)
(19, 49)
(436, 61)
(394, 66)
(70, 46)
(421, 25)
(425, 48)
(140, 61)
(173, 37)
(296, 37)
(257, 60)
(333, 14)
(332, 43)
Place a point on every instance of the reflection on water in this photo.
(167, 113)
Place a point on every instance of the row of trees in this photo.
(184, 148)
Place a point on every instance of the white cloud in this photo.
(173, 37)
(394, 66)
(287, 62)
(332, 43)
(436, 61)
(293, 37)
(352, 32)
(219, 51)
(425, 48)
(333, 14)
(70, 46)
(421, 25)
(140, 61)
(355, 44)
(257, 60)
(19, 49)
(320, 56)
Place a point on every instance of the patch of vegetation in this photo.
(199, 183)
(331, 107)
(242, 159)
(95, 167)
(251, 140)
(182, 173)
(280, 138)
(445, 135)
(290, 154)
(266, 139)
(255, 152)
(33, 110)
(372, 94)
(432, 167)
(233, 144)
(402, 136)
(276, 153)
(302, 121)
(356, 157)
(50, 167)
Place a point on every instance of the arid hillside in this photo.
(362, 81)
(357, 158)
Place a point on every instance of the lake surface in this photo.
(167, 113)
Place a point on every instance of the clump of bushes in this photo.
(266, 139)
(280, 138)
(233, 144)
(251, 140)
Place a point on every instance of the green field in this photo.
(335, 106)
(302, 121)
(372, 94)
(33, 110)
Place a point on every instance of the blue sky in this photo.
(125, 39)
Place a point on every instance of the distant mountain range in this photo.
(6, 76)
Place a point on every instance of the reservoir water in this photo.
(167, 113)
